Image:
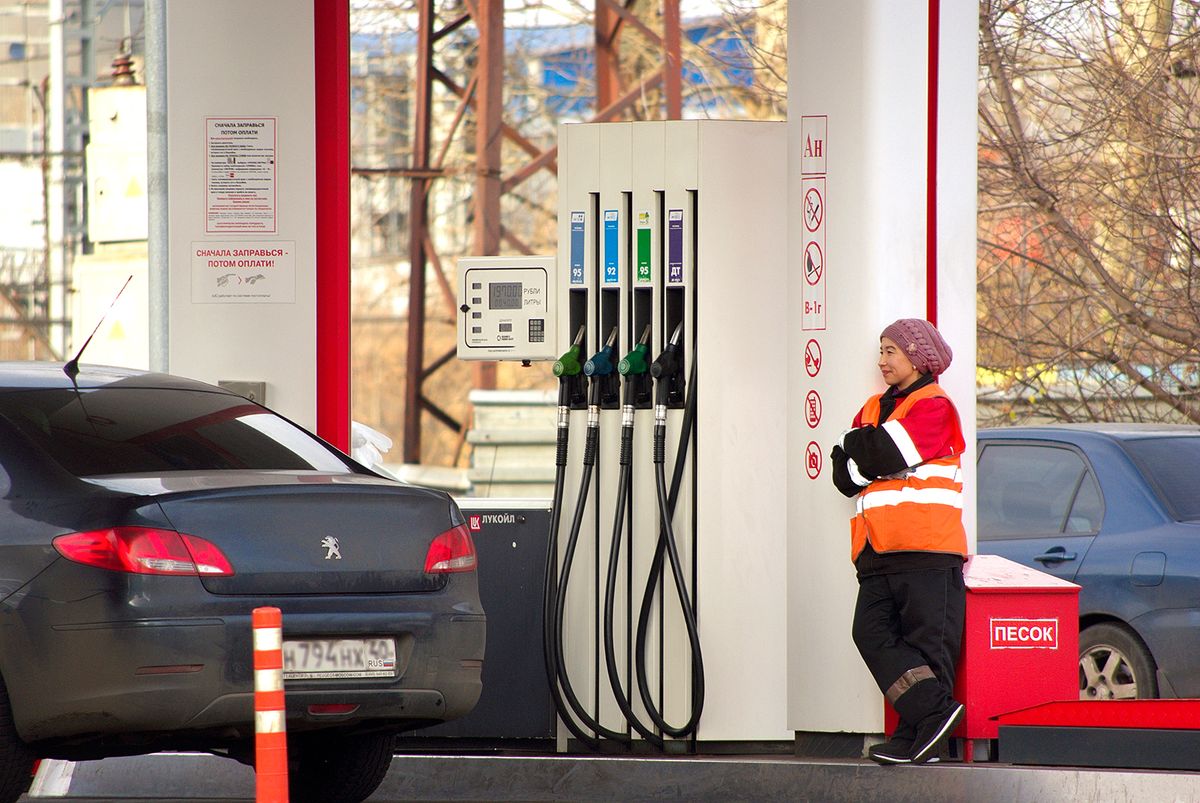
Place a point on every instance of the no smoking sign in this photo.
(814, 209)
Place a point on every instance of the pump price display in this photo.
(504, 295)
(506, 307)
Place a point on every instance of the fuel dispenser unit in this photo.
(666, 619)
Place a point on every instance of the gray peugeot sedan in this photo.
(143, 517)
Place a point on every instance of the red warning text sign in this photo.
(244, 272)
(1024, 634)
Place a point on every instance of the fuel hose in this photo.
(666, 546)
(597, 368)
(635, 371)
(570, 381)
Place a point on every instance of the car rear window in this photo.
(130, 430)
(1173, 467)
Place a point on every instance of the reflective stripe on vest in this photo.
(918, 511)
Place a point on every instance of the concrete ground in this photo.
(683, 778)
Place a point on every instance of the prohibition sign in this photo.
(812, 460)
(812, 358)
(814, 209)
(812, 408)
(814, 263)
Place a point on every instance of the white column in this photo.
(233, 60)
(858, 71)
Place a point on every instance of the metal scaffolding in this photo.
(483, 97)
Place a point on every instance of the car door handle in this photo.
(1055, 556)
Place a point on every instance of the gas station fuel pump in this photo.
(667, 569)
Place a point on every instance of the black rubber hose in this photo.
(589, 459)
(666, 546)
(550, 583)
(614, 675)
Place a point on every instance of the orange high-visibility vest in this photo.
(921, 511)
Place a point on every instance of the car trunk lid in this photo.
(304, 532)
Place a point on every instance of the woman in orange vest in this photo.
(902, 462)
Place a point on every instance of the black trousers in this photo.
(906, 620)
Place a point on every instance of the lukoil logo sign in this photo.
(1024, 634)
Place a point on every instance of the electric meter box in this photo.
(507, 308)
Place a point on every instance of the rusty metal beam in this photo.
(543, 160)
(447, 292)
(484, 95)
(417, 221)
(672, 61)
(627, 15)
(608, 72)
(403, 172)
(489, 108)
(510, 132)
(464, 103)
(515, 241)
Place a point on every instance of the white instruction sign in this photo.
(244, 272)
(239, 175)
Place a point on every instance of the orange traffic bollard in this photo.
(270, 733)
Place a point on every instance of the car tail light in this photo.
(452, 551)
(144, 550)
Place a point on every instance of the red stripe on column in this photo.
(931, 171)
(269, 700)
(331, 48)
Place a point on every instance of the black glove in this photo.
(841, 473)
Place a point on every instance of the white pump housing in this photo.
(508, 308)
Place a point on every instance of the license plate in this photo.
(312, 659)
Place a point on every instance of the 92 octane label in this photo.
(314, 659)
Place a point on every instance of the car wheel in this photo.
(16, 759)
(338, 769)
(1114, 664)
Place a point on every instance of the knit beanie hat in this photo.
(924, 345)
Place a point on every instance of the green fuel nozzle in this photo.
(635, 367)
(572, 386)
(635, 362)
(601, 363)
(568, 364)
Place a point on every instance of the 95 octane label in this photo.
(1024, 634)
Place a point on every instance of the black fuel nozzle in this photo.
(667, 371)
(635, 367)
(572, 385)
(606, 385)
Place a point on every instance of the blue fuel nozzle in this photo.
(601, 363)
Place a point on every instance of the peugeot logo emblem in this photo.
(332, 548)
